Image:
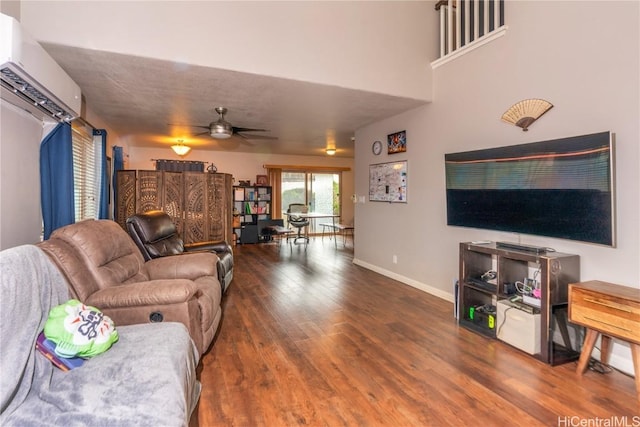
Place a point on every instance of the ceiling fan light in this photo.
(220, 130)
(331, 151)
(180, 149)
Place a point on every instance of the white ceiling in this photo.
(139, 97)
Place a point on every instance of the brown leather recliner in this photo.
(156, 236)
(105, 269)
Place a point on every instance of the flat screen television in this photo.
(561, 188)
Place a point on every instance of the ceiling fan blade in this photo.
(237, 129)
(201, 133)
(265, 137)
(192, 126)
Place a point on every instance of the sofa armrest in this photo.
(155, 292)
(221, 247)
(186, 266)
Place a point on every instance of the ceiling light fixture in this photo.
(331, 151)
(180, 148)
(220, 129)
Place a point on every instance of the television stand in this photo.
(479, 294)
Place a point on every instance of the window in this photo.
(319, 190)
(86, 172)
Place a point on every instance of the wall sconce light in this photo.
(180, 148)
(525, 112)
(331, 151)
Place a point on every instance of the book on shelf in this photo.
(48, 350)
(251, 208)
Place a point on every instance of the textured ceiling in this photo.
(139, 97)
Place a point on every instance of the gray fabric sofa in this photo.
(147, 378)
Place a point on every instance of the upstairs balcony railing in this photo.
(468, 23)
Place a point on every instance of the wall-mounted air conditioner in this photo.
(31, 78)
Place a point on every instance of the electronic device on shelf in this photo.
(539, 250)
(482, 284)
(517, 303)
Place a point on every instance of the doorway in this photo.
(318, 190)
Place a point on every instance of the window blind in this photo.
(86, 173)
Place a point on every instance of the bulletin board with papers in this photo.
(388, 182)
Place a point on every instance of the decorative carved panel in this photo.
(173, 203)
(194, 207)
(149, 191)
(198, 203)
(219, 199)
(125, 196)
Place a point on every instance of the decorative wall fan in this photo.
(222, 129)
(525, 112)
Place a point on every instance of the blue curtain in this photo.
(103, 208)
(118, 165)
(118, 160)
(56, 179)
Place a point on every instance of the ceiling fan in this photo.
(222, 129)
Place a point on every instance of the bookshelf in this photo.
(250, 204)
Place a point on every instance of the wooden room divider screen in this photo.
(200, 203)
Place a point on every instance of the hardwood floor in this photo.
(308, 338)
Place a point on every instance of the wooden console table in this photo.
(610, 310)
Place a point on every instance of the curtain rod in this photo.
(309, 168)
(186, 161)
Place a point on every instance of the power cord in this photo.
(599, 367)
(489, 275)
(504, 319)
(596, 365)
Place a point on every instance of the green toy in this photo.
(79, 330)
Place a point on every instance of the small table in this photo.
(611, 311)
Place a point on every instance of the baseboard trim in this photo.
(406, 280)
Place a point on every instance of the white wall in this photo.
(20, 216)
(581, 56)
(372, 46)
(247, 166)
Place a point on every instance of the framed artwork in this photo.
(397, 142)
(262, 180)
